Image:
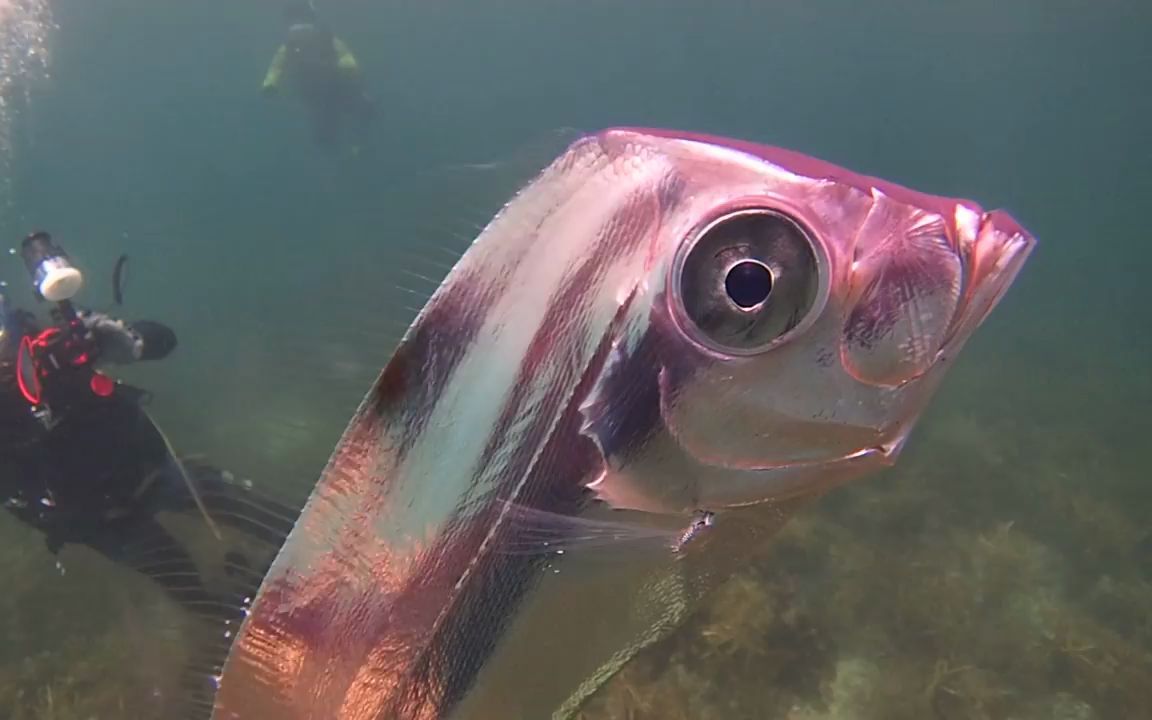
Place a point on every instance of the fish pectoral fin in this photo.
(532, 531)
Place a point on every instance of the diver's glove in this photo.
(118, 342)
(122, 343)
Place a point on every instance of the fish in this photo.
(660, 349)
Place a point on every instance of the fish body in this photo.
(664, 330)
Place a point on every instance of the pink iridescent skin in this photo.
(909, 277)
(560, 368)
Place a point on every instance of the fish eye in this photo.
(748, 283)
(747, 280)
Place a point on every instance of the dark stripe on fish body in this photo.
(554, 327)
(485, 604)
(628, 411)
(424, 363)
(354, 457)
(389, 423)
(552, 481)
(444, 618)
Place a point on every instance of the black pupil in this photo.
(748, 284)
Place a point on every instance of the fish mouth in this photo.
(994, 258)
(1010, 244)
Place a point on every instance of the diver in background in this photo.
(80, 459)
(324, 74)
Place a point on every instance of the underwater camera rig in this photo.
(56, 367)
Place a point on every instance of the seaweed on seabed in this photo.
(74, 682)
(765, 646)
(753, 649)
(937, 620)
(640, 691)
(1091, 531)
(1098, 665)
(1124, 601)
(67, 653)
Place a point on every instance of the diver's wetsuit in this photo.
(326, 76)
(100, 473)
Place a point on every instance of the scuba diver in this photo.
(325, 76)
(82, 462)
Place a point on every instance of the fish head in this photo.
(801, 315)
